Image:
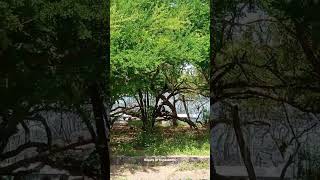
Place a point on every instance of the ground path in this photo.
(168, 172)
(160, 168)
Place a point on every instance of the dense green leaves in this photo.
(51, 45)
(148, 36)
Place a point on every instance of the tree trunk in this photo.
(226, 145)
(156, 112)
(9, 128)
(212, 169)
(245, 152)
(174, 111)
(86, 120)
(144, 117)
(102, 141)
(186, 107)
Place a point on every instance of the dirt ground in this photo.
(169, 172)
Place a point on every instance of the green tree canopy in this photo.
(147, 37)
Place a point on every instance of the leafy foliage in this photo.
(147, 37)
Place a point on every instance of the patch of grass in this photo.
(190, 166)
(161, 141)
(182, 124)
(135, 123)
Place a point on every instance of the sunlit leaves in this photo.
(146, 35)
